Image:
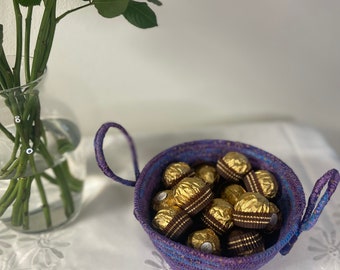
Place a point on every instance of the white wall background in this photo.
(207, 62)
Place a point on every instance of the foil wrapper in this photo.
(205, 240)
(163, 199)
(175, 172)
(192, 194)
(252, 202)
(207, 173)
(276, 220)
(172, 222)
(232, 193)
(244, 242)
(252, 211)
(218, 216)
(233, 166)
(263, 182)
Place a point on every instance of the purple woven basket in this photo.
(296, 216)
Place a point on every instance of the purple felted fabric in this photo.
(291, 199)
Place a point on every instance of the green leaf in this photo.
(29, 3)
(156, 2)
(111, 8)
(140, 15)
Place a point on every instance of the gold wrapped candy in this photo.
(252, 211)
(192, 194)
(175, 172)
(205, 240)
(276, 219)
(163, 199)
(244, 242)
(218, 215)
(232, 193)
(252, 202)
(172, 222)
(233, 166)
(207, 173)
(263, 182)
(242, 215)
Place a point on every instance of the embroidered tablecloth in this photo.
(106, 235)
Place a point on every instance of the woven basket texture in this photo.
(291, 201)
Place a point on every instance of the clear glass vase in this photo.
(41, 160)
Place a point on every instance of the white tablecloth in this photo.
(106, 235)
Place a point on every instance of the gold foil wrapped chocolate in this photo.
(192, 194)
(276, 219)
(252, 211)
(232, 193)
(207, 173)
(172, 222)
(233, 166)
(244, 242)
(205, 240)
(175, 172)
(163, 199)
(263, 182)
(218, 216)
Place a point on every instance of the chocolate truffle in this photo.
(163, 199)
(218, 215)
(175, 172)
(244, 242)
(232, 193)
(263, 182)
(192, 194)
(276, 220)
(252, 211)
(207, 173)
(233, 166)
(205, 240)
(172, 222)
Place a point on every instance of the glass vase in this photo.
(41, 160)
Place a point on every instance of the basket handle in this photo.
(100, 157)
(314, 209)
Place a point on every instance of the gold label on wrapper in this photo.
(204, 240)
(163, 199)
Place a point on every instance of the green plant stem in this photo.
(44, 39)
(16, 217)
(9, 196)
(45, 204)
(61, 180)
(18, 21)
(28, 25)
(73, 10)
(26, 219)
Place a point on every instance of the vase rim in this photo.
(26, 85)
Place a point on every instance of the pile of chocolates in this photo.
(227, 208)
